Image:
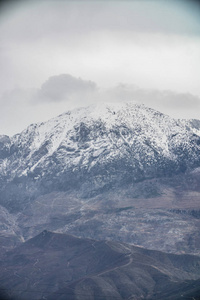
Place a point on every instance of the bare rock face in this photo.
(4, 146)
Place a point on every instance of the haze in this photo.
(56, 55)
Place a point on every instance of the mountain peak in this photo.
(100, 146)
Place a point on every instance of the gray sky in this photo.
(55, 55)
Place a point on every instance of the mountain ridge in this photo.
(46, 266)
(118, 171)
(110, 144)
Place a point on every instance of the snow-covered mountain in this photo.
(94, 149)
(108, 171)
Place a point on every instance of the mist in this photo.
(146, 51)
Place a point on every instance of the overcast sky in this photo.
(55, 55)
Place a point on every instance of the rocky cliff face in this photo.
(95, 149)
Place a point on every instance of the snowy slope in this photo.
(95, 147)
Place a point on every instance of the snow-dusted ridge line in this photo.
(98, 135)
(55, 129)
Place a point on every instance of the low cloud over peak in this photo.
(64, 87)
(59, 93)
